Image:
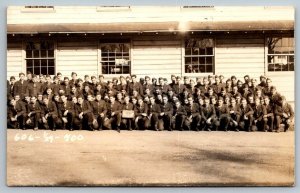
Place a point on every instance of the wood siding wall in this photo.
(156, 57)
(240, 57)
(80, 57)
(14, 59)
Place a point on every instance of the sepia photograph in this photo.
(150, 96)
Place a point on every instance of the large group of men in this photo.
(126, 103)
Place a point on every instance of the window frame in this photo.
(183, 65)
(267, 54)
(24, 54)
(112, 41)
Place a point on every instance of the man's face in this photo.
(177, 104)
(80, 100)
(59, 77)
(161, 82)
(267, 101)
(217, 80)
(119, 96)
(63, 98)
(40, 97)
(165, 99)
(74, 99)
(206, 101)
(33, 100)
(112, 99)
(152, 100)
(13, 102)
(126, 99)
(220, 102)
(90, 98)
(233, 102)
(22, 77)
(98, 97)
(251, 100)
(66, 81)
(73, 89)
(27, 99)
(29, 76)
(140, 101)
(45, 100)
(257, 101)
(244, 102)
(87, 78)
(56, 98)
(74, 76)
(13, 81)
(213, 101)
(49, 91)
(190, 100)
(133, 79)
(17, 97)
(94, 80)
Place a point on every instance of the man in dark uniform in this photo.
(100, 110)
(35, 87)
(154, 111)
(84, 114)
(114, 109)
(179, 116)
(235, 114)
(246, 120)
(127, 105)
(193, 114)
(66, 111)
(269, 114)
(284, 113)
(20, 87)
(141, 114)
(208, 115)
(34, 114)
(135, 85)
(166, 113)
(178, 87)
(49, 115)
(222, 113)
(258, 116)
(74, 80)
(16, 114)
(66, 87)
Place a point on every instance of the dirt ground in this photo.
(149, 158)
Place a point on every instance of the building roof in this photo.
(112, 19)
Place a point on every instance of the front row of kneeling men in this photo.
(166, 114)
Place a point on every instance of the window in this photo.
(40, 57)
(115, 58)
(199, 55)
(280, 54)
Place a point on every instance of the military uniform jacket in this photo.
(100, 107)
(179, 111)
(66, 88)
(34, 108)
(259, 111)
(34, 88)
(178, 88)
(141, 109)
(245, 111)
(236, 109)
(223, 110)
(193, 109)
(136, 86)
(50, 109)
(269, 109)
(128, 106)
(18, 109)
(154, 109)
(166, 108)
(84, 107)
(62, 107)
(20, 88)
(287, 108)
(208, 111)
(116, 108)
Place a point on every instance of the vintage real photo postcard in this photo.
(150, 96)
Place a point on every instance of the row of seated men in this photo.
(208, 106)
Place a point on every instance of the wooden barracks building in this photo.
(158, 41)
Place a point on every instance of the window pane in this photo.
(209, 60)
(44, 70)
(291, 66)
(50, 53)
(29, 54)
(115, 58)
(197, 49)
(209, 68)
(51, 70)
(37, 67)
(209, 51)
(36, 53)
(43, 54)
